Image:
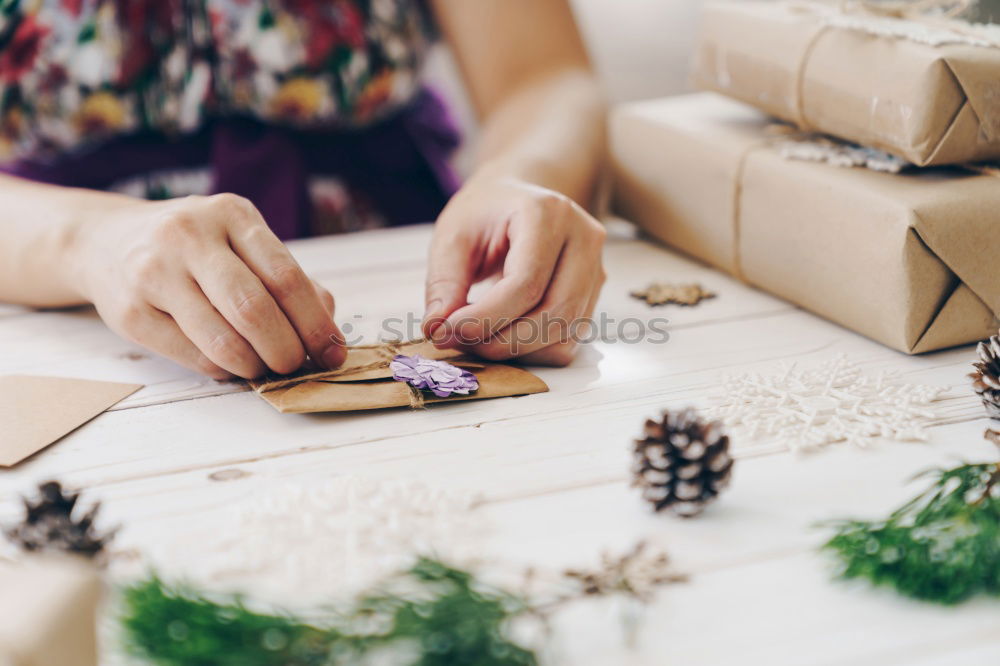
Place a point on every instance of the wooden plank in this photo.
(605, 394)
(783, 612)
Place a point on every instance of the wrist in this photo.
(540, 172)
(82, 237)
(72, 242)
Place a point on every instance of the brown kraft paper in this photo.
(37, 411)
(909, 260)
(49, 609)
(365, 381)
(928, 103)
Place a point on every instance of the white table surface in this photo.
(552, 468)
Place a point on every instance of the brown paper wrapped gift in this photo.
(48, 607)
(926, 92)
(910, 259)
(365, 382)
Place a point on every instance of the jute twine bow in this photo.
(386, 351)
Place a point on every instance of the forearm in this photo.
(40, 228)
(550, 132)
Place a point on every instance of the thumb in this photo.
(449, 278)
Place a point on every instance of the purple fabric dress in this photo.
(276, 101)
(400, 164)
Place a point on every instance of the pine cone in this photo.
(986, 378)
(48, 525)
(682, 463)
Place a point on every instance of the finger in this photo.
(562, 354)
(209, 331)
(158, 332)
(250, 310)
(551, 322)
(325, 297)
(558, 355)
(295, 294)
(449, 278)
(534, 251)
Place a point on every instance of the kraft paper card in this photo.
(907, 259)
(924, 89)
(49, 610)
(37, 411)
(365, 381)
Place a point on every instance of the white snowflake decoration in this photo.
(829, 403)
(302, 545)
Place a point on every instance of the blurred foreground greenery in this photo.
(431, 615)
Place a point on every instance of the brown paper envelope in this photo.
(36, 411)
(359, 360)
(49, 609)
(495, 381)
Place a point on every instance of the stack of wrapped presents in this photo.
(843, 162)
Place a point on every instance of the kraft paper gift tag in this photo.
(37, 411)
(365, 382)
(49, 611)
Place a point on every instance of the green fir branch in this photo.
(942, 546)
(432, 615)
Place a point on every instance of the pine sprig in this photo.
(172, 625)
(942, 546)
(432, 615)
(429, 615)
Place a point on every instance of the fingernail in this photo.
(333, 357)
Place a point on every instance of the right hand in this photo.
(204, 281)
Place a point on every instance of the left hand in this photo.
(546, 250)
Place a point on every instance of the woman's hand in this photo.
(204, 281)
(546, 250)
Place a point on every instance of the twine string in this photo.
(386, 350)
(416, 397)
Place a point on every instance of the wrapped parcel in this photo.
(927, 90)
(910, 259)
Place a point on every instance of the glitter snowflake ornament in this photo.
(301, 544)
(826, 404)
(440, 378)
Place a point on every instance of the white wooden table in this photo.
(552, 468)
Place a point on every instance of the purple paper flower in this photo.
(442, 379)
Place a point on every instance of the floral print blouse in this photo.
(73, 71)
(76, 74)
